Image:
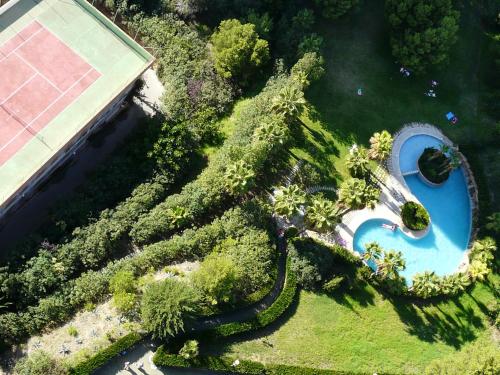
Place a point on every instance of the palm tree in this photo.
(371, 196)
(390, 265)
(373, 251)
(290, 101)
(478, 270)
(322, 214)
(484, 249)
(272, 131)
(239, 178)
(426, 284)
(380, 145)
(355, 193)
(455, 283)
(352, 192)
(288, 200)
(358, 163)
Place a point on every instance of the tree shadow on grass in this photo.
(433, 326)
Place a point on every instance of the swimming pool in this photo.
(442, 249)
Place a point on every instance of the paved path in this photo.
(143, 352)
(35, 211)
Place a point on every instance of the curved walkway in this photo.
(144, 351)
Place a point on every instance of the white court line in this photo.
(23, 43)
(18, 88)
(45, 110)
(36, 70)
(57, 99)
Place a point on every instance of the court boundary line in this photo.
(36, 70)
(24, 40)
(18, 88)
(25, 127)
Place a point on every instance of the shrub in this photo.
(415, 216)
(72, 331)
(434, 165)
(39, 363)
(189, 349)
(88, 366)
(333, 284)
(166, 307)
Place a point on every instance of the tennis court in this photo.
(40, 77)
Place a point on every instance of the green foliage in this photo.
(493, 223)
(483, 250)
(426, 284)
(391, 263)
(265, 317)
(310, 43)
(237, 49)
(434, 165)
(290, 102)
(39, 363)
(166, 306)
(217, 279)
(289, 200)
(478, 270)
(239, 177)
(310, 66)
(356, 194)
(189, 350)
(415, 216)
(310, 263)
(322, 214)
(334, 9)
(358, 163)
(476, 359)
(72, 331)
(373, 252)
(333, 284)
(227, 364)
(380, 145)
(88, 366)
(263, 23)
(422, 33)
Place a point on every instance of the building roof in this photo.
(61, 63)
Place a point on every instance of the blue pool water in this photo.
(442, 249)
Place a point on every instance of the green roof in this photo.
(118, 59)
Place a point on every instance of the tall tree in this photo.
(356, 194)
(426, 284)
(322, 214)
(290, 102)
(422, 31)
(390, 265)
(358, 163)
(373, 252)
(167, 306)
(380, 145)
(239, 177)
(334, 9)
(237, 49)
(288, 200)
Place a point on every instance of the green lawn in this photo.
(360, 331)
(357, 55)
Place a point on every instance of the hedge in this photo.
(164, 359)
(93, 286)
(265, 317)
(93, 363)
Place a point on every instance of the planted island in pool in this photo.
(442, 248)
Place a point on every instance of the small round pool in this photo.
(442, 249)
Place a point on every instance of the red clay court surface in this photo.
(39, 77)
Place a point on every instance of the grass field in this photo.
(357, 55)
(361, 331)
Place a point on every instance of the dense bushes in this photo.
(88, 366)
(422, 33)
(434, 165)
(93, 286)
(39, 363)
(209, 192)
(265, 317)
(415, 216)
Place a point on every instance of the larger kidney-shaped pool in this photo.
(442, 249)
